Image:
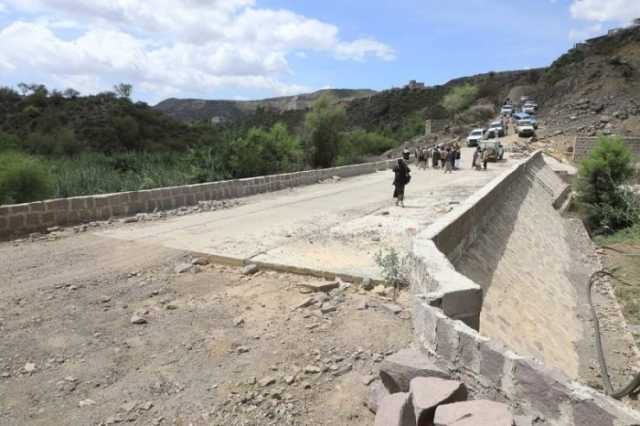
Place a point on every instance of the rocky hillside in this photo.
(595, 87)
(220, 111)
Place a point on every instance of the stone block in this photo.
(101, 201)
(543, 389)
(397, 370)
(447, 340)
(17, 209)
(48, 219)
(57, 205)
(428, 393)
(425, 320)
(492, 362)
(33, 220)
(78, 203)
(469, 350)
(37, 207)
(16, 223)
(395, 410)
(473, 413)
(4, 223)
(377, 392)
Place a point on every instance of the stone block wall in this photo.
(21, 219)
(446, 318)
(584, 145)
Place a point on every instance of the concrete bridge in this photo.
(488, 248)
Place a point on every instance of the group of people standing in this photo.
(447, 157)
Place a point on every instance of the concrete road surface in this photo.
(335, 227)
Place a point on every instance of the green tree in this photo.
(460, 98)
(321, 134)
(123, 90)
(606, 202)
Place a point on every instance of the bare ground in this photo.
(69, 353)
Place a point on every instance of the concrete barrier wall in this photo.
(21, 219)
(446, 318)
(584, 145)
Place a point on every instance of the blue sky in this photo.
(247, 49)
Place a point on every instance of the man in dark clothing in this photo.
(401, 179)
(436, 157)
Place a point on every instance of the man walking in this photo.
(401, 178)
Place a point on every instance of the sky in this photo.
(252, 49)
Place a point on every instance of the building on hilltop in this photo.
(413, 84)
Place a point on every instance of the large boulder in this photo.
(399, 369)
(396, 410)
(427, 393)
(473, 413)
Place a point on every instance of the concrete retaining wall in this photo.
(584, 145)
(22, 219)
(446, 314)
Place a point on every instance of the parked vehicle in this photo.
(492, 134)
(529, 109)
(498, 126)
(524, 116)
(506, 110)
(496, 150)
(524, 128)
(475, 136)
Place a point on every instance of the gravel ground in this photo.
(213, 347)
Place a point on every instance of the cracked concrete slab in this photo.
(334, 228)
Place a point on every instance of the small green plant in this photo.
(393, 269)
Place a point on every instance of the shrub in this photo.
(608, 205)
(22, 179)
(460, 98)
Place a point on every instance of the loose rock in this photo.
(137, 319)
(398, 370)
(395, 410)
(250, 269)
(428, 393)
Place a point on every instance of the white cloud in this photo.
(623, 11)
(170, 46)
(582, 34)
